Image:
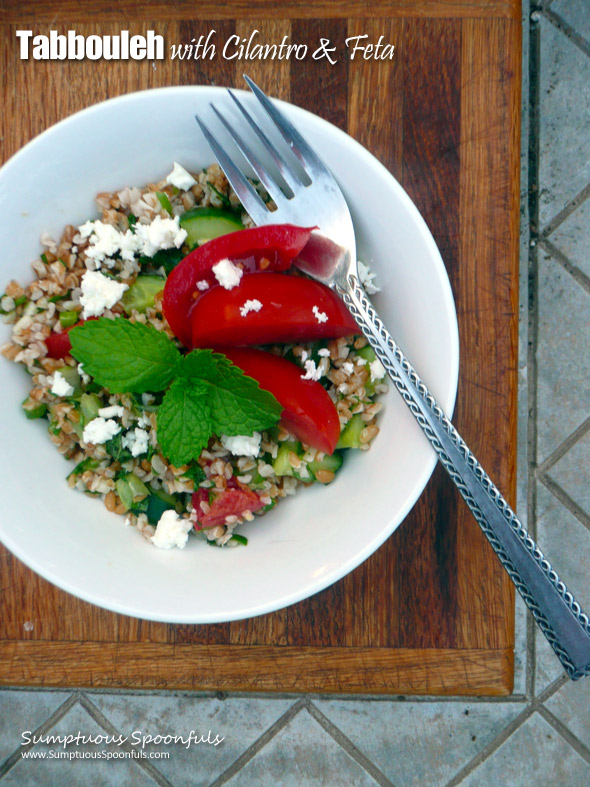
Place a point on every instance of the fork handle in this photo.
(554, 608)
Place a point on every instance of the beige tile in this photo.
(238, 721)
(572, 472)
(566, 543)
(420, 743)
(575, 13)
(564, 166)
(572, 237)
(571, 705)
(302, 754)
(534, 756)
(22, 711)
(76, 772)
(563, 388)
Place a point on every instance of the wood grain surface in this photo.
(432, 610)
(126, 10)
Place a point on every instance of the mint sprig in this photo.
(206, 393)
(236, 406)
(125, 357)
(183, 426)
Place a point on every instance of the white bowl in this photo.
(309, 541)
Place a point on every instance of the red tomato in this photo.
(308, 411)
(232, 501)
(276, 244)
(59, 344)
(293, 309)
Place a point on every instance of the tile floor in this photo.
(539, 736)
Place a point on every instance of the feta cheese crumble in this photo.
(227, 274)
(320, 316)
(136, 441)
(160, 234)
(113, 411)
(171, 531)
(105, 240)
(99, 293)
(99, 430)
(242, 445)
(377, 370)
(203, 285)
(312, 372)
(348, 367)
(85, 377)
(180, 178)
(367, 278)
(60, 386)
(323, 352)
(252, 305)
(144, 419)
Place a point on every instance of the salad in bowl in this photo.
(193, 377)
(342, 503)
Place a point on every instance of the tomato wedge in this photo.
(59, 344)
(293, 309)
(308, 411)
(232, 501)
(273, 247)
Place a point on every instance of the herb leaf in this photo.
(114, 447)
(211, 396)
(167, 258)
(184, 425)
(125, 357)
(237, 403)
(207, 395)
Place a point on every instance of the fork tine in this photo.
(292, 137)
(247, 194)
(267, 181)
(289, 175)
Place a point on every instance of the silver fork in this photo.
(330, 257)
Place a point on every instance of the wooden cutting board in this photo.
(432, 611)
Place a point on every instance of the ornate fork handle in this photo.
(557, 612)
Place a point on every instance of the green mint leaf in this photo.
(125, 357)
(237, 404)
(184, 425)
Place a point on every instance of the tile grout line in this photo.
(565, 733)
(492, 747)
(573, 270)
(392, 698)
(43, 728)
(563, 497)
(259, 743)
(564, 213)
(345, 743)
(564, 447)
(109, 727)
(265, 695)
(568, 31)
(555, 686)
(507, 732)
(533, 313)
